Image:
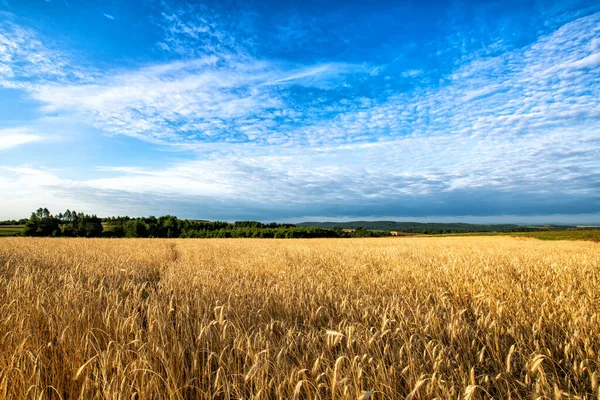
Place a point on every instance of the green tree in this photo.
(136, 228)
(42, 223)
(88, 226)
(169, 226)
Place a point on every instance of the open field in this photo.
(451, 317)
(11, 230)
(580, 234)
(574, 234)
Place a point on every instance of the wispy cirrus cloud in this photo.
(231, 98)
(27, 62)
(204, 100)
(224, 97)
(521, 91)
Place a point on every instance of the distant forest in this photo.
(75, 224)
(433, 228)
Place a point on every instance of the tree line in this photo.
(76, 224)
(13, 222)
(435, 228)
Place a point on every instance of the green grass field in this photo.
(11, 230)
(580, 234)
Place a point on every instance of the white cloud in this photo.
(412, 73)
(191, 101)
(232, 97)
(24, 189)
(10, 138)
(590, 61)
(526, 90)
(26, 61)
(109, 16)
(528, 175)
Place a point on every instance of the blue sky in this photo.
(441, 111)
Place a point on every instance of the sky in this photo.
(474, 111)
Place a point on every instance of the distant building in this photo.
(399, 233)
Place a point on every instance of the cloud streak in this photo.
(10, 138)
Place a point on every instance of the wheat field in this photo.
(393, 318)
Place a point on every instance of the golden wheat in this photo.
(420, 318)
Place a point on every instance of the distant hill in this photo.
(433, 227)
